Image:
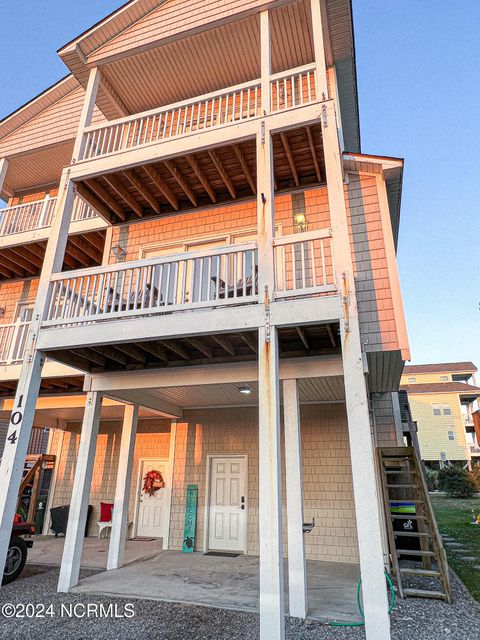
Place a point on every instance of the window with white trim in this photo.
(444, 378)
(447, 411)
(411, 380)
(451, 435)
(437, 410)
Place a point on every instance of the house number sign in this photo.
(15, 419)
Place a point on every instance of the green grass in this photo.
(453, 519)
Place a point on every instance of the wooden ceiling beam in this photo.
(201, 346)
(146, 194)
(97, 240)
(181, 181)
(245, 168)
(303, 337)
(92, 200)
(69, 261)
(38, 249)
(4, 271)
(224, 343)
(76, 253)
(112, 354)
(249, 341)
(154, 349)
(156, 178)
(223, 174)
(132, 351)
(120, 190)
(93, 356)
(331, 336)
(15, 265)
(30, 256)
(176, 348)
(86, 248)
(291, 161)
(198, 171)
(107, 198)
(311, 144)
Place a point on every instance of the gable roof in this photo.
(166, 20)
(441, 367)
(442, 387)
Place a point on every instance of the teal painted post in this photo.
(190, 518)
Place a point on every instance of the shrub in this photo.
(457, 483)
(431, 476)
(475, 474)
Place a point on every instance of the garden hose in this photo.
(360, 608)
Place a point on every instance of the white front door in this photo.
(152, 510)
(227, 504)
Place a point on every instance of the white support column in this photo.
(87, 111)
(297, 570)
(116, 548)
(3, 172)
(377, 622)
(53, 481)
(72, 550)
(321, 83)
(272, 599)
(265, 60)
(169, 482)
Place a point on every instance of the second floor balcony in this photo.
(31, 220)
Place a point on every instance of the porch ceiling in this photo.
(25, 260)
(224, 395)
(322, 339)
(218, 175)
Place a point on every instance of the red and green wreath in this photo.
(152, 482)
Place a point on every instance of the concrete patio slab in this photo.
(229, 583)
(48, 550)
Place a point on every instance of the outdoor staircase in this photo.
(32, 475)
(416, 548)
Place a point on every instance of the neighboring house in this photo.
(194, 239)
(443, 398)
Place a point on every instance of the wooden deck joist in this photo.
(215, 176)
(49, 386)
(210, 349)
(25, 261)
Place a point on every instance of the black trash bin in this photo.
(40, 514)
(59, 517)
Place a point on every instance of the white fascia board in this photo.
(225, 135)
(240, 372)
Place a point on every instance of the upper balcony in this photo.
(24, 232)
(24, 223)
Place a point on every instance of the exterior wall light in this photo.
(300, 220)
(119, 252)
(246, 390)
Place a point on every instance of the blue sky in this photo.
(419, 89)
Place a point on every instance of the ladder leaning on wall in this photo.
(418, 558)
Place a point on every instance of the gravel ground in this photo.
(412, 619)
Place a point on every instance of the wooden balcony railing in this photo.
(304, 264)
(39, 215)
(12, 342)
(212, 278)
(290, 89)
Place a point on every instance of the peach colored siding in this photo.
(11, 293)
(328, 490)
(374, 296)
(54, 125)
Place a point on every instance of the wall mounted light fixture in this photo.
(118, 251)
(300, 220)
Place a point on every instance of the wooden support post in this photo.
(321, 84)
(116, 548)
(297, 572)
(377, 621)
(87, 112)
(16, 445)
(265, 214)
(3, 172)
(53, 481)
(265, 61)
(272, 599)
(32, 507)
(77, 518)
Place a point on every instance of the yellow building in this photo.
(442, 399)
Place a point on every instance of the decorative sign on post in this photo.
(190, 518)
